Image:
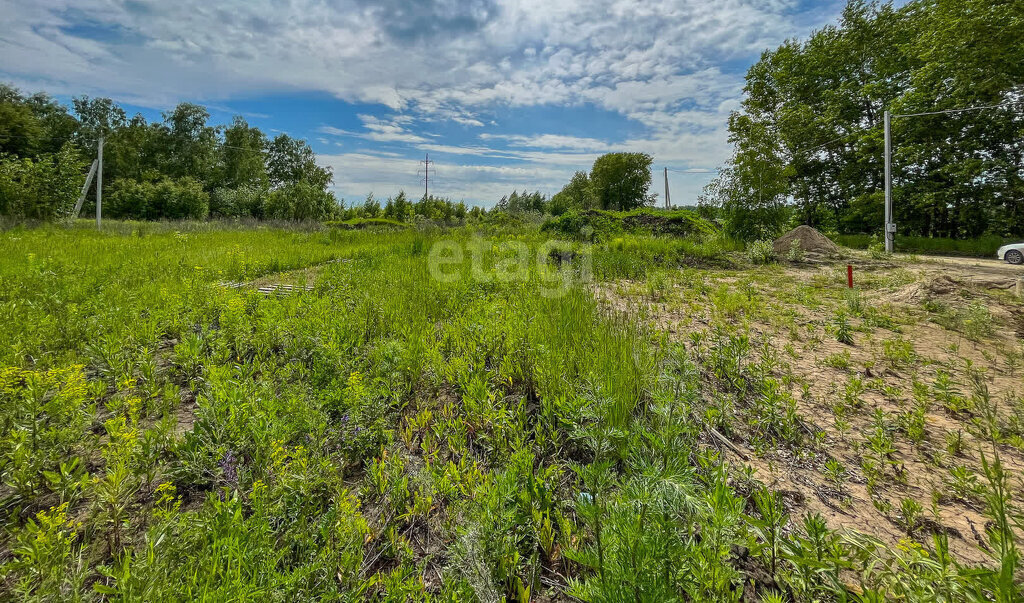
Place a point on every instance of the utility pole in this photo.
(668, 203)
(99, 185)
(426, 175)
(85, 191)
(890, 228)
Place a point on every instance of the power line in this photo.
(426, 174)
(871, 127)
(74, 138)
(834, 140)
(693, 170)
(943, 112)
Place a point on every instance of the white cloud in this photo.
(550, 141)
(660, 63)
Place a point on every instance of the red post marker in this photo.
(849, 276)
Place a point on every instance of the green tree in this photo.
(188, 143)
(173, 199)
(621, 181)
(242, 157)
(290, 160)
(821, 101)
(31, 125)
(575, 195)
(20, 131)
(301, 201)
(44, 188)
(97, 117)
(371, 207)
(751, 193)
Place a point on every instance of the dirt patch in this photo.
(808, 239)
(911, 373)
(939, 287)
(288, 281)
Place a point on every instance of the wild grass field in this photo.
(484, 413)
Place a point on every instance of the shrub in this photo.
(596, 225)
(761, 252)
(301, 201)
(796, 252)
(245, 201)
(984, 246)
(179, 199)
(45, 189)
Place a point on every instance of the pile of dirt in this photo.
(938, 287)
(810, 240)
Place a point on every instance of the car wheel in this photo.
(1014, 257)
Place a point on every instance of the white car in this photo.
(1012, 253)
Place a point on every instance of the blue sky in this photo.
(503, 94)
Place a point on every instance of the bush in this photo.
(984, 246)
(796, 252)
(45, 189)
(301, 201)
(761, 252)
(595, 225)
(245, 201)
(179, 199)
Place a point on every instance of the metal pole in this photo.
(888, 185)
(99, 185)
(668, 203)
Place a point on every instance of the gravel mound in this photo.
(811, 241)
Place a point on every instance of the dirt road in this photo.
(984, 272)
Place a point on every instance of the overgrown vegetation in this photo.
(985, 246)
(181, 167)
(391, 435)
(810, 128)
(597, 225)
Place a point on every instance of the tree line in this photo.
(616, 182)
(808, 139)
(400, 208)
(181, 167)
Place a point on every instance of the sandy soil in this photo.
(915, 306)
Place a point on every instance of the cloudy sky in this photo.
(503, 94)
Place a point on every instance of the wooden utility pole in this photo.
(668, 203)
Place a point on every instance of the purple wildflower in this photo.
(229, 465)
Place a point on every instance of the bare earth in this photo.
(935, 368)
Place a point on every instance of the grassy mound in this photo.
(596, 225)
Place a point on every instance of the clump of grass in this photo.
(839, 360)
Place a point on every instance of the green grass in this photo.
(985, 246)
(598, 225)
(391, 435)
(369, 222)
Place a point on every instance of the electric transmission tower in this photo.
(425, 171)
